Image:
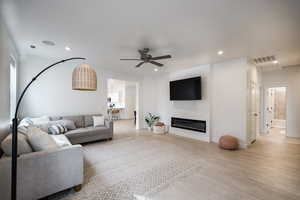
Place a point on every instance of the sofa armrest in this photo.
(109, 123)
(43, 173)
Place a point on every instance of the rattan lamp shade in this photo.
(84, 78)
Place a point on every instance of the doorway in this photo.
(275, 110)
(122, 105)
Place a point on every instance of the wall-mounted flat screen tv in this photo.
(186, 89)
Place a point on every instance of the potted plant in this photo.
(150, 119)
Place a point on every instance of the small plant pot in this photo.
(149, 128)
(159, 129)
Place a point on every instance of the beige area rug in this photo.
(132, 167)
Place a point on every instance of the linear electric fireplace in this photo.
(189, 124)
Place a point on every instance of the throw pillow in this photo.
(57, 129)
(61, 140)
(23, 125)
(39, 120)
(23, 145)
(40, 140)
(98, 121)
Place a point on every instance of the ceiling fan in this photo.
(147, 58)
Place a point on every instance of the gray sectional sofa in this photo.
(42, 173)
(85, 131)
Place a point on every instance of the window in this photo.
(13, 86)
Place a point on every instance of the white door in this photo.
(253, 112)
(270, 109)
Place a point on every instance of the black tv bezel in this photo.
(196, 77)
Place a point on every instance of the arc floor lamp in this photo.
(83, 78)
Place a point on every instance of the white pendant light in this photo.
(84, 77)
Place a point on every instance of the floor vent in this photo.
(262, 60)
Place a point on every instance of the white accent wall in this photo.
(198, 110)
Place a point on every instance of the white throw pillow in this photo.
(39, 120)
(61, 140)
(98, 121)
(40, 140)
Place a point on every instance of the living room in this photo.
(149, 100)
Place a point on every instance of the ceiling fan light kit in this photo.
(148, 58)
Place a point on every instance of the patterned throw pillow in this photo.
(57, 129)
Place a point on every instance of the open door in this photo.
(253, 112)
(270, 109)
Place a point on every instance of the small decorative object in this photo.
(228, 142)
(159, 128)
(150, 119)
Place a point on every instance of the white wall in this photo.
(52, 93)
(293, 102)
(229, 100)
(130, 101)
(7, 48)
(278, 78)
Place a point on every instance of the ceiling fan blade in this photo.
(138, 65)
(161, 57)
(129, 59)
(156, 63)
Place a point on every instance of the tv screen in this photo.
(186, 89)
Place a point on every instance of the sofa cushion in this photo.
(88, 120)
(55, 118)
(69, 124)
(78, 120)
(40, 140)
(86, 132)
(23, 145)
(61, 140)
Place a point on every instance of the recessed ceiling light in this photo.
(32, 46)
(155, 69)
(275, 62)
(48, 42)
(67, 48)
(220, 52)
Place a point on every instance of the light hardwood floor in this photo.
(269, 169)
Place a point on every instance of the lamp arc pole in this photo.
(14, 160)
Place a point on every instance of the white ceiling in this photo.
(191, 30)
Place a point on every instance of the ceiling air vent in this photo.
(263, 60)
